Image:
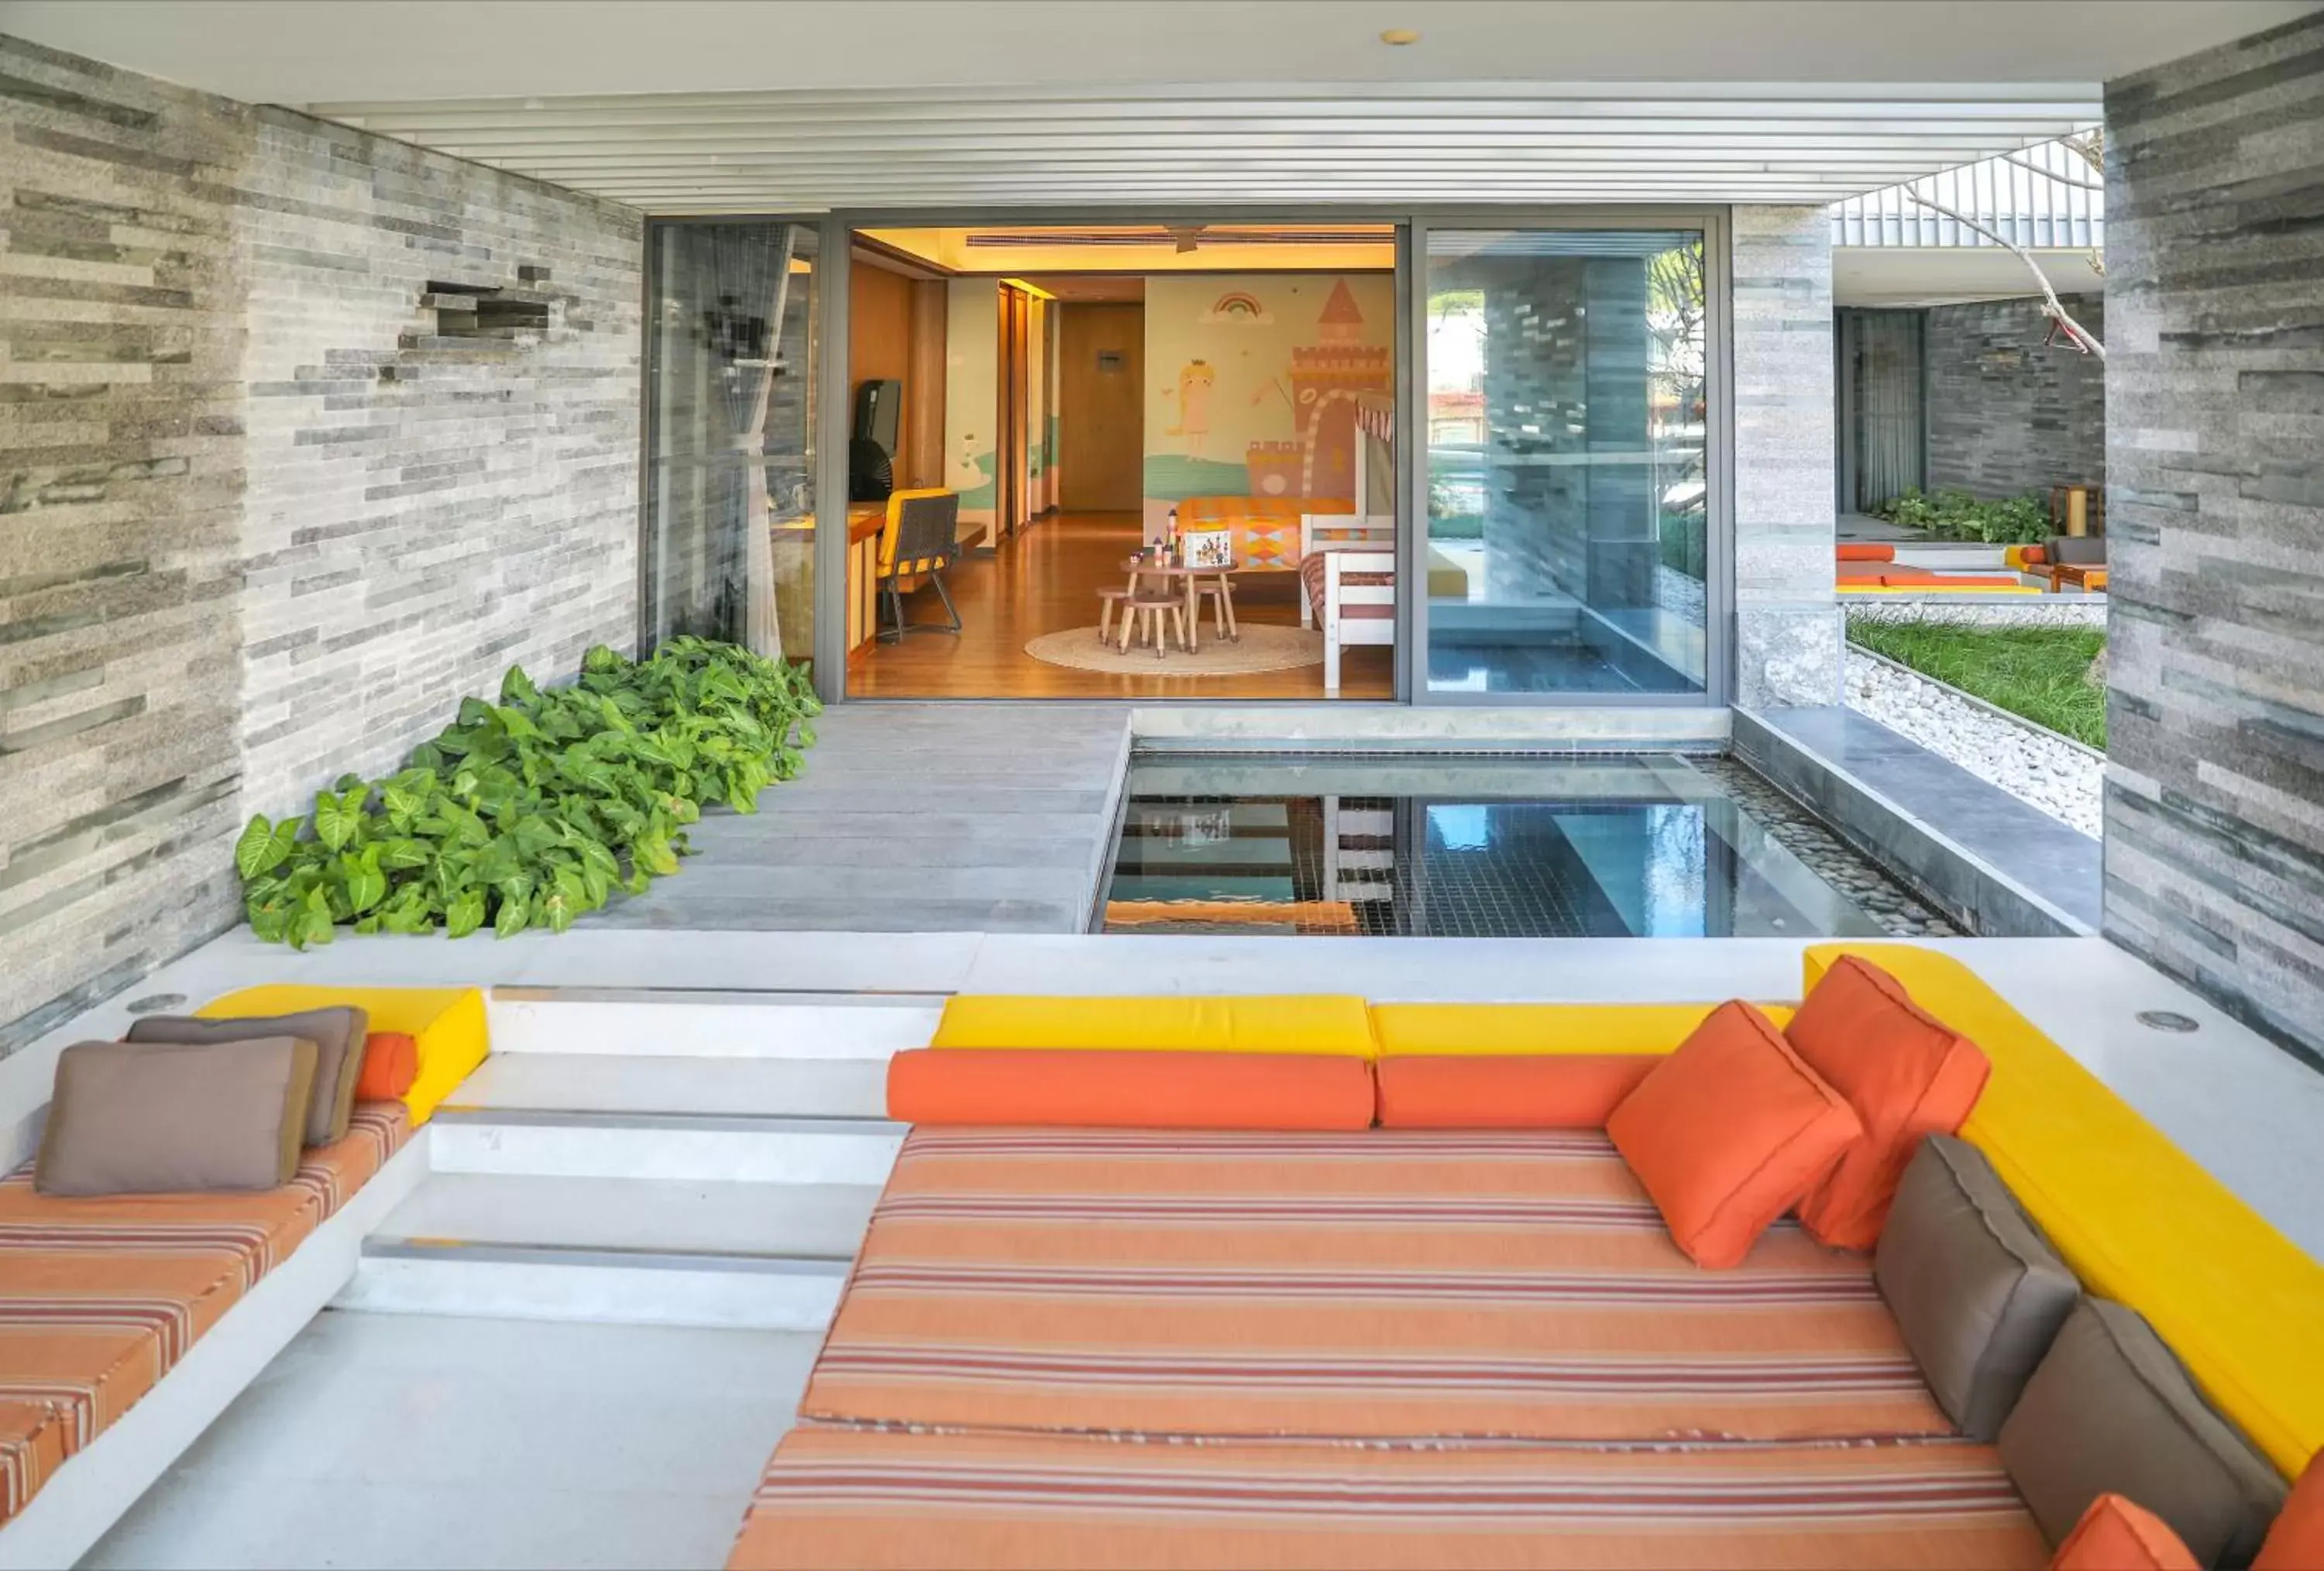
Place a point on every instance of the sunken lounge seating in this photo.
(1301, 1281)
(129, 1321)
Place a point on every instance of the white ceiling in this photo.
(759, 105)
(1928, 275)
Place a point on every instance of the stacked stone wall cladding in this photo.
(256, 528)
(1787, 628)
(2215, 514)
(2008, 411)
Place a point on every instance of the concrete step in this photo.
(690, 1147)
(703, 1025)
(623, 1084)
(634, 1251)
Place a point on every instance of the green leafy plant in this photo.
(1951, 514)
(532, 811)
(2039, 672)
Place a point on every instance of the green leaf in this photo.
(653, 854)
(366, 884)
(516, 687)
(513, 918)
(311, 923)
(333, 827)
(517, 723)
(465, 914)
(260, 849)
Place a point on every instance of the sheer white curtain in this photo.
(1887, 373)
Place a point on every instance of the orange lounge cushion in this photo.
(1129, 1089)
(1730, 1132)
(1507, 1090)
(390, 1063)
(2296, 1541)
(1866, 551)
(2116, 1535)
(1904, 1072)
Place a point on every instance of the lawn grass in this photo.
(2033, 671)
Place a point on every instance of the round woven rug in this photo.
(1261, 647)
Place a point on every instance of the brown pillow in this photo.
(2110, 1411)
(338, 1038)
(1976, 1289)
(128, 1119)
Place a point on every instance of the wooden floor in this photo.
(1045, 580)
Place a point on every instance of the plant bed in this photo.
(529, 812)
(2037, 673)
(1950, 514)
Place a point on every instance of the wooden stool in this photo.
(1221, 591)
(1106, 600)
(1144, 615)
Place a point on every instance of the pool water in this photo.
(1651, 846)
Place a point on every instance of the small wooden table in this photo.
(1191, 585)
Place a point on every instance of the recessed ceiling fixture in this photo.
(1398, 37)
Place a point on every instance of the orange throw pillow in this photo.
(1728, 1132)
(1130, 1090)
(390, 1063)
(1507, 1091)
(2296, 1541)
(2114, 1535)
(1906, 1073)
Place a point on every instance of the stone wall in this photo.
(1787, 634)
(257, 524)
(2215, 457)
(2008, 413)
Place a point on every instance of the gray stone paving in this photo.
(913, 817)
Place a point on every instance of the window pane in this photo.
(1567, 500)
(730, 504)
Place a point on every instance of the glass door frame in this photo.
(1412, 447)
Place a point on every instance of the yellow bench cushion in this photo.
(446, 1024)
(1259, 1024)
(2138, 1219)
(1416, 1030)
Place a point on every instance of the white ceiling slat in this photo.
(1230, 145)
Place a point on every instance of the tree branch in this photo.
(2052, 308)
(2063, 180)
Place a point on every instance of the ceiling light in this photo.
(1398, 37)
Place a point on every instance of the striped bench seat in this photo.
(100, 1297)
(839, 1498)
(1380, 1285)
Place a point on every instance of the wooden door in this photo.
(1102, 407)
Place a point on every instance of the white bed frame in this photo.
(1354, 542)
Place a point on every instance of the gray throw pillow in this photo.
(337, 1034)
(129, 1119)
(1976, 1289)
(2111, 1410)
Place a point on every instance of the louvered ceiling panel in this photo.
(1237, 145)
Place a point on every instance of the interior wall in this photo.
(1252, 378)
(880, 328)
(265, 522)
(972, 403)
(2007, 412)
(2215, 520)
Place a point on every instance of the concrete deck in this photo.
(912, 817)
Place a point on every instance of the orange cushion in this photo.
(1906, 1073)
(1130, 1090)
(2033, 554)
(1507, 1090)
(2114, 1535)
(2296, 1541)
(390, 1063)
(1858, 575)
(1728, 1132)
(1861, 551)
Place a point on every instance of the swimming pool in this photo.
(1633, 845)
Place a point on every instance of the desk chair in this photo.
(921, 538)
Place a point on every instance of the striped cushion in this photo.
(1399, 1284)
(100, 1298)
(836, 1498)
(1311, 575)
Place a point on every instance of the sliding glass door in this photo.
(730, 495)
(1566, 546)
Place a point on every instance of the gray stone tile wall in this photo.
(2007, 412)
(1788, 635)
(2215, 459)
(258, 524)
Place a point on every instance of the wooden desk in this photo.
(866, 520)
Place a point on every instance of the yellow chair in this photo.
(921, 540)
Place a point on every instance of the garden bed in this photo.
(2038, 673)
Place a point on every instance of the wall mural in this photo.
(1260, 376)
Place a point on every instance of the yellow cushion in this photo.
(1262, 1024)
(446, 1024)
(1407, 1030)
(2138, 1219)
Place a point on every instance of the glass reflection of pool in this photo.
(1650, 847)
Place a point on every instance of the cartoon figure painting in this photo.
(1196, 379)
